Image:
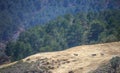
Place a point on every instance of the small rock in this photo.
(68, 62)
(28, 59)
(93, 54)
(51, 67)
(70, 72)
(74, 60)
(81, 68)
(102, 54)
(75, 54)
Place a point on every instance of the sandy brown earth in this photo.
(80, 59)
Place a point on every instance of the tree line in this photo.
(67, 31)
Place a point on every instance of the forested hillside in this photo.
(31, 26)
(67, 31)
(15, 14)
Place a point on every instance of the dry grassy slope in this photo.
(80, 59)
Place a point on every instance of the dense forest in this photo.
(31, 26)
(67, 31)
(16, 14)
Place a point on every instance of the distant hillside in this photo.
(28, 13)
(33, 12)
(80, 59)
(76, 19)
(67, 31)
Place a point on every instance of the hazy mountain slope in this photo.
(66, 32)
(80, 59)
(18, 15)
(28, 13)
(32, 12)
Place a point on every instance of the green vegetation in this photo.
(67, 31)
(112, 67)
(115, 63)
(7, 29)
(40, 66)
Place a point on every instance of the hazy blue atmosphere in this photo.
(31, 26)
